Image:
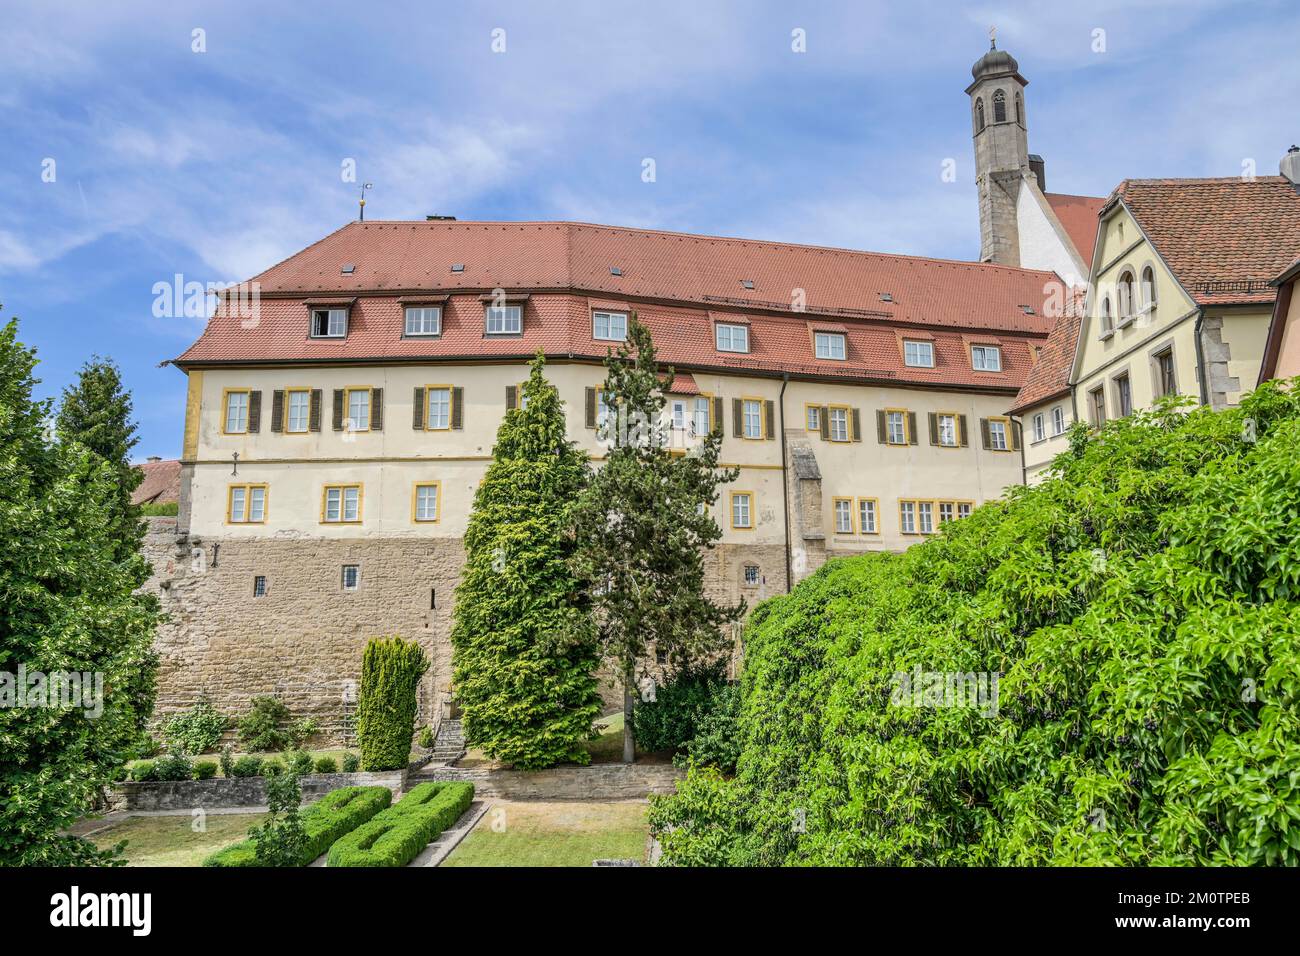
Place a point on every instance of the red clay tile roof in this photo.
(1224, 239)
(1078, 217)
(161, 485)
(676, 282)
(1050, 376)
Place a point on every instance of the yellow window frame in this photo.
(762, 418)
(806, 426)
(907, 429)
(938, 430)
(306, 390)
(848, 423)
(853, 520)
(916, 519)
(875, 510)
(731, 510)
(225, 409)
(347, 405)
(342, 488)
(451, 405)
(248, 500)
(1006, 432)
(415, 498)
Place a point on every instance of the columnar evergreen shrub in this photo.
(523, 644)
(1143, 610)
(391, 669)
(396, 836)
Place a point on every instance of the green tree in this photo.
(96, 412)
(391, 669)
(644, 524)
(523, 644)
(280, 839)
(68, 603)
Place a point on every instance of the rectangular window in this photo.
(843, 515)
(751, 575)
(259, 585)
(611, 326)
(947, 429)
(701, 417)
(829, 345)
(814, 415)
(329, 323)
(731, 338)
(1123, 395)
(741, 509)
(1040, 427)
(1058, 420)
(867, 515)
(297, 409)
(896, 427)
(426, 501)
(907, 517)
(342, 504)
(947, 511)
(963, 509)
(602, 408)
(677, 409)
(1098, 396)
(1165, 373)
(424, 320)
(246, 504)
(437, 412)
(986, 358)
(837, 421)
(358, 410)
(753, 418)
(918, 354)
(236, 422)
(998, 434)
(925, 517)
(351, 577)
(505, 319)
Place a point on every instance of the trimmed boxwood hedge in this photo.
(332, 816)
(396, 836)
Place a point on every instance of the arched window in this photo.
(999, 107)
(979, 115)
(1107, 324)
(1124, 292)
(1149, 289)
(1019, 115)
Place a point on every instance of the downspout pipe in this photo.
(785, 484)
(1201, 371)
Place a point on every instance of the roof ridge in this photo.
(300, 251)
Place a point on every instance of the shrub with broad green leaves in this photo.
(1142, 608)
(195, 731)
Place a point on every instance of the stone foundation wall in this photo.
(303, 640)
(223, 793)
(612, 781)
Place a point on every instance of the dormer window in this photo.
(829, 345)
(731, 338)
(329, 323)
(423, 320)
(609, 326)
(986, 358)
(918, 354)
(505, 320)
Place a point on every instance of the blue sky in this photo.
(216, 164)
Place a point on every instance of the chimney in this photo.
(1039, 169)
(152, 458)
(432, 218)
(1290, 166)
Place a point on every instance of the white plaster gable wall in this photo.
(1041, 246)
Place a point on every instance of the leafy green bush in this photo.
(227, 762)
(195, 731)
(425, 739)
(249, 765)
(205, 769)
(298, 761)
(672, 719)
(327, 765)
(1141, 607)
(391, 669)
(173, 767)
(333, 815)
(351, 763)
(269, 726)
(396, 836)
(717, 733)
(280, 839)
(272, 767)
(141, 770)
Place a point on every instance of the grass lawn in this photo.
(554, 834)
(171, 840)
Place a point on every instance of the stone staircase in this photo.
(449, 745)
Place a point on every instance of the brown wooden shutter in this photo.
(770, 415)
(512, 397)
(254, 411)
(591, 408)
(824, 420)
(417, 410)
(338, 409)
(857, 424)
(911, 428)
(317, 400)
(738, 418)
(717, 415)
(277, 410)
(1015, 436)
(934, 427)
(881, 435)
(984, 433)
(376, 409)
(961, 431)
(457, 408)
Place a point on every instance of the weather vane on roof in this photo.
(993, 38)
(362, 200)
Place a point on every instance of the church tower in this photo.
(1002, 161)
